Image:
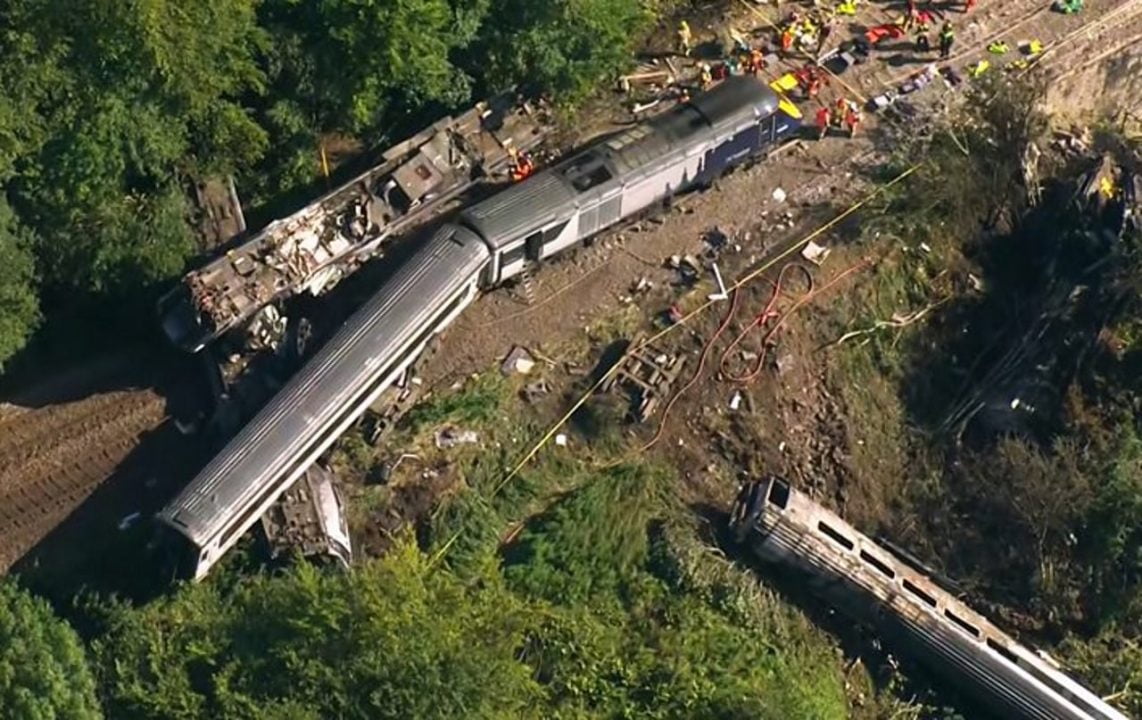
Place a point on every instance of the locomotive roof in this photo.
(548, 196)
(737, 97)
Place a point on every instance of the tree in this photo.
(564, 47)
(392, 639)
(43, 670)
(353, 64)
(139, 96)
(19, 308)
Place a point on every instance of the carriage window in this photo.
(835, 535)
(915, 590)
(877, 563)
(996, 646)
(779, 493)
(972, 629)
(513, 255)
(554, 231)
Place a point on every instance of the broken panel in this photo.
(313, 249)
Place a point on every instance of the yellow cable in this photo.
(747, 278)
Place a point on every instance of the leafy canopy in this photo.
(43, 671)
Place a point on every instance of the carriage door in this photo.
(533, 247)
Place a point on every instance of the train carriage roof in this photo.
(521, 207)
(255, 459)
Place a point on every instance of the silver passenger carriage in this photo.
(908, 609)
(333, 389)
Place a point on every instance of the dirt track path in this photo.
(53, 458)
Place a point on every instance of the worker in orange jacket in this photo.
(823, 121)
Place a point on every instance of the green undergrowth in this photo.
(988, 368)
(605, 604)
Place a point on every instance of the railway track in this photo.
(53, 458)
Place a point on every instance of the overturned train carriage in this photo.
(493, 240)
(907, 608)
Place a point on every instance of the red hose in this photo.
(768, 315)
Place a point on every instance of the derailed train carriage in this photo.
(689, 146)
(905, 606)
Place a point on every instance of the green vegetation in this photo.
(44, 673)
(605, 605)
(996, 344)
(110, 111)
(19, 308)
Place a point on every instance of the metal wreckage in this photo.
(314, 248)
(238, 295)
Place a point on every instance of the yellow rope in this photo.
(747, 278)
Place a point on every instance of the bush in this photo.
(394, 638)
(43, 670)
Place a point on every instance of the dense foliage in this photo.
(596, 613)
(109, 111)
(1008, 447)
(43, 670)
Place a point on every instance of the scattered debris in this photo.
(448, 437)
(267, 330)
(646, 377)
(533, 391)
(310, 519)
(779, 195)
(736, 400)
(518, 362)
(715, 238)
(387, 469)
(722, 294)
(129, 520)
(815, 253)
(643, 285)
(310, 250)
(687, 266)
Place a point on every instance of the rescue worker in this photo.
(685, 37)
(823, 121)
(756, 61)
(815, 83)
(522, 166)
(840, 111)
(923, 44)
(706, 77)
(947, 38)
(852, 119)
(786, 41)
